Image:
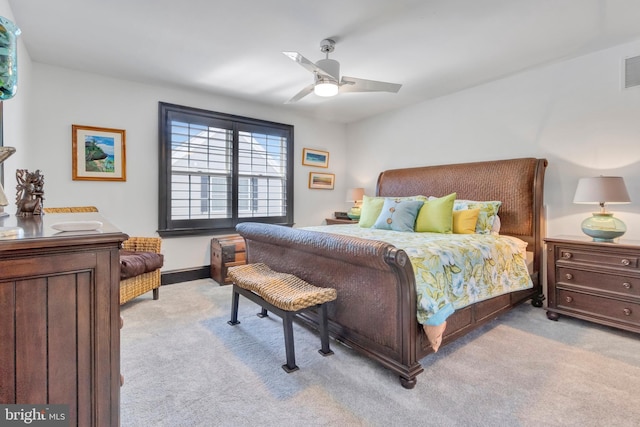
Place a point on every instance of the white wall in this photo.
(574, 113)
(62, 97)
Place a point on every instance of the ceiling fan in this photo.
(327, 81)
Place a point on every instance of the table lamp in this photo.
(355, 195)
(602, 226)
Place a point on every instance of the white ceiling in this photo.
(233, 47)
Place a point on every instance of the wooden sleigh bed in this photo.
(375, 312)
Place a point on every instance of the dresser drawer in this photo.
(598, 307)
(605, 259)
(618, 286)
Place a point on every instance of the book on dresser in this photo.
(594, 281)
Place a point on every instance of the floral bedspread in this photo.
(452, 270)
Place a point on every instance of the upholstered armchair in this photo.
(140, 254)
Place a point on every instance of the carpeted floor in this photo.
(185, 366)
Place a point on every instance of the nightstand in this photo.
(594, 281)
(331, 221)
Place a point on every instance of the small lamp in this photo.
(355, 195)
(602, 226)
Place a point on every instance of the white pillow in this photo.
(495, 228)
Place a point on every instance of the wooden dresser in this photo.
(60, 317)
(594, 281)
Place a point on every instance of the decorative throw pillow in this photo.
(487, 215)
(370, 210)
(398, 215)
(495, 228)
(372, 206)
(464, 222)
(436, 215)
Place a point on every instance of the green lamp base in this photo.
(603, 227)
(354, 213)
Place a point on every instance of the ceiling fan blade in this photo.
(304, 92)
(353, 84)
(295, 56)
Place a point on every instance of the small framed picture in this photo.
(317, 158)
(321, 181)
(98, 154)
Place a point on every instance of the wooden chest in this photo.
(226, 251)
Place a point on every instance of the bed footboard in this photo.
(375, 312)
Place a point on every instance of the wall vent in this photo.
(631, 72)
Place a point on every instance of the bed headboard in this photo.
(517, 183)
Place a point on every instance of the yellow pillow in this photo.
(464, 221)
(436, 215)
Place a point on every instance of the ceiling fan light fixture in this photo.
(328, 80)
(326, 88)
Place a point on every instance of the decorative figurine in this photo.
(30, 192)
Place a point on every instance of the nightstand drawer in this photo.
(605, 259)
(600, 307)
(599, 282)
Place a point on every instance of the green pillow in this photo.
(370, 210)
(398, 215)
(436, 215)
(372, 206)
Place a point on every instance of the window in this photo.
(217, 170)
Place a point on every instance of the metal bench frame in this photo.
(287, 322)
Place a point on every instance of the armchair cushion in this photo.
(133, 263)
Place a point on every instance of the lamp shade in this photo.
(601, 190)
(355, 194)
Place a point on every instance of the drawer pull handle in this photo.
(569, 276)
(568, 299)
(566, 255)
(626, 285)
(627, 311)
(625, 261)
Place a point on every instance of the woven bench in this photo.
(285, 295)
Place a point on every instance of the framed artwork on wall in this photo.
(321, 181)
(315, 158)
(98, 154)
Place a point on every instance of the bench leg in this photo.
(156, 293)
(324, 331)
(263, 313)
(235, 298)
(287, 323)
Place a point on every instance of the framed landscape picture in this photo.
(98, 154)
(321, 181)
(315, 158)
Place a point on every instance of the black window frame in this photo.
(167, 227)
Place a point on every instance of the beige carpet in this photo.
(185, 366)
